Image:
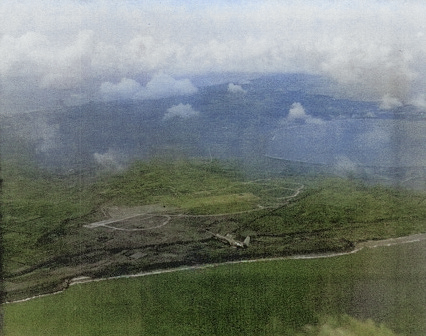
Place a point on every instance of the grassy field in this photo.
(349, 209)
(269, 298)
(46, 243)
(345, 326)
(34, 206)
(41, 208)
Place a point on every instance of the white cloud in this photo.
(125, 89)
(297, 113)
(160, 86)
(183, 111)
(163, 85)
(388, 102)
(236, 89)
(109, 160)
(419, 101)
(370, 48)
(33, 55)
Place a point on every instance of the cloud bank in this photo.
(160, 86)
(125, 89)
(236, 89)
(183, 111)
(372, 49)
(297, 113)
(389, 102)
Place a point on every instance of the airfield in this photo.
(156, 215)
(130, 239)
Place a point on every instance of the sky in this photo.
(73, 51)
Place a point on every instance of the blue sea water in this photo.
(388, 143)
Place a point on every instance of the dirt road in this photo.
(145, 215)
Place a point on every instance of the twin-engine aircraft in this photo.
(231, 241)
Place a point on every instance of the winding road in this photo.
(167, 218)
(107, 223)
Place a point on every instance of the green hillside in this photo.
(46, 242)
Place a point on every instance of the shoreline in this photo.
(358, 247)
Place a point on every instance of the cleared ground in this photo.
(133, 238)
(157, 216)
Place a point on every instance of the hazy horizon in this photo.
(70, 52)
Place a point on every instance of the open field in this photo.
(155, 215)
(269, 298)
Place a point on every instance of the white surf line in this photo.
(394, 241)
(82, 280)
(34, 297)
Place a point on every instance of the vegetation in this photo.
(46, 244)
(348, 209)
(346, 326)
(36, 205)
(270, 298)
(44, 216)
(156, 181)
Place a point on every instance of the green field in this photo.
(266, 298)
(46, 243)
(40, 209)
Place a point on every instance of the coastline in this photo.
(358, 247)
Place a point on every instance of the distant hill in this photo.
(218, 121)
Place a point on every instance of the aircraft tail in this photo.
(246, 241)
